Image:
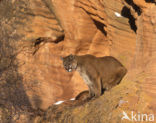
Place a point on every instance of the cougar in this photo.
(99, 73)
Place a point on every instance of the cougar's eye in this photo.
(65, 66)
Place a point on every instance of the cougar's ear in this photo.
(71, 56)
(61, 58)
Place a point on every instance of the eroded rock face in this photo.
(39, 32)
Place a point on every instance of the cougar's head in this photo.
(69, 63)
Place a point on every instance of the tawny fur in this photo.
(99, 73)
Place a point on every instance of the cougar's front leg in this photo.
(98, 87)
(91, 91)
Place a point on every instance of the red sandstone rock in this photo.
(121, 28)
(89, 27)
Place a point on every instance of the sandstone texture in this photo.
(34, 34)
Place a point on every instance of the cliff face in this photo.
(34, 34)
